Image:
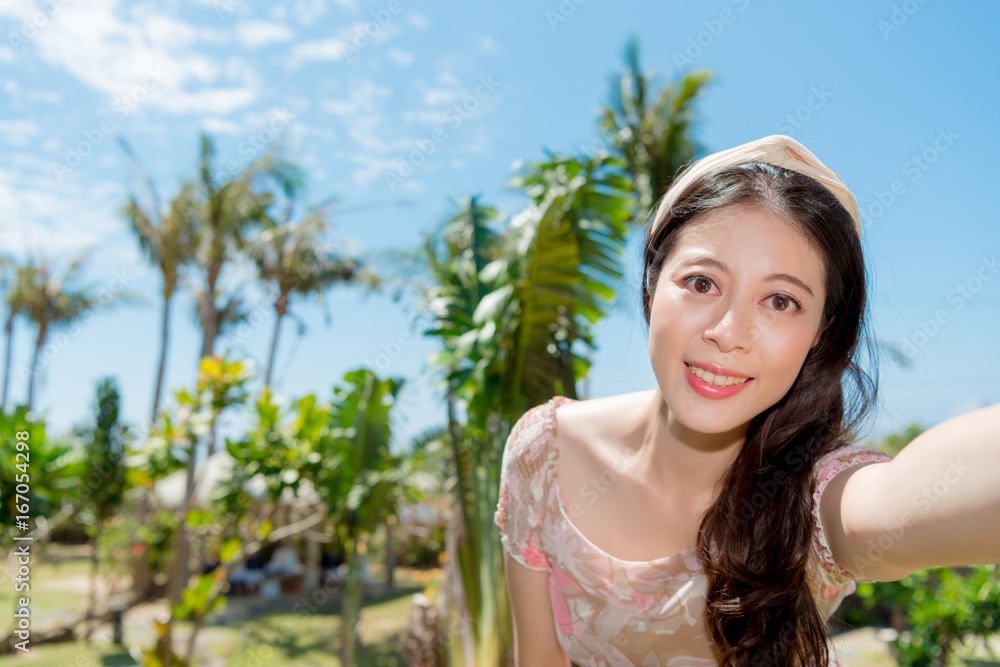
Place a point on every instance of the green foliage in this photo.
(359, 479)
(202, 598)
(128, 536)
(105, 443)
(653, 137)
(277, 448)
(893, 443)
(51, 471)
(947, 611)
(222, 382)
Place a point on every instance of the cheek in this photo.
(669, 323)
(787, 351)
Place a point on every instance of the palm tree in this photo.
(50, 305)
(655, 139)
(290, 258)
(167, 240)
(509, 310)
(14, 294)
(222, 215)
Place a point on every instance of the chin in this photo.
(710, 421)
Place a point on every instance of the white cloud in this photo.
(307, 11)
(418, 20)
(400, 57)
(436, 96)
(428, 117)
(219, 126)
(18, 132)
(327, 49)
(220, 100)
(363, 97)
(116, 54)
(371, 168)
(81, 216)
(349, 5)
(486, 44)
(260, 33)
(6, 54)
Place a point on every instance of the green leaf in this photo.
(229, 549)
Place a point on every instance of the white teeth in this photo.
(717, 380)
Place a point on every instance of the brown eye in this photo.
(702, 285)
(782, 303)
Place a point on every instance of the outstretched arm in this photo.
(937, 503)
(535, 642)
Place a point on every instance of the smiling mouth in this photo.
(717, 380)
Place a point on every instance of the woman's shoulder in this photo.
(843, 455)
(602, 418)
(568, 420)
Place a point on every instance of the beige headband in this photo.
(777, 149)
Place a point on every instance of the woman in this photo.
(721, 517)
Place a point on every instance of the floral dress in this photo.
(614, 613)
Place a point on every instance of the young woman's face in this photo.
(741, 296)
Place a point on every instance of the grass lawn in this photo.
(234, 639)
(56, 588)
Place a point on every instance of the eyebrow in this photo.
(708, 261)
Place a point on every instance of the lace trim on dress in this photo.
(524, 475)
(829, 467)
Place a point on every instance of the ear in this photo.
(819, 334)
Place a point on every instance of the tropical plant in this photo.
(104, 443)
(167, 240)
(510, 310)
(654, 138)
(221, 384)
(947, 612)
(50, 304)
(291, 260)
(50, 471)
(12, 282)
(223, 215)
(358, 478)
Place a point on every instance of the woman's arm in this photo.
(535, 642)
(937, 503)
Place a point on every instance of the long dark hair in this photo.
(759, 604)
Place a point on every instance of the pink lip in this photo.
(717, 370)
(710, 390)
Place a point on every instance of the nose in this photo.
(733, 329)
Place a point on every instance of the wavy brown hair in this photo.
(760, 609)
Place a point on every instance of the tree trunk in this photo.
(93, 587)
(39, 342)
(211, 433)
(6, 363)
(351, 609)
(310, 581)
(458, 542)
(165, 337)
(274, 340)
(184, 540)
(390, 558)
(179, 571)
(209, 316)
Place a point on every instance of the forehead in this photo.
(753, 242)
(740, 230)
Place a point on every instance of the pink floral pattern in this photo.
(609, 612)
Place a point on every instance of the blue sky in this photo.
(899, 98)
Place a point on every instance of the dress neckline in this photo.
(552, 425)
